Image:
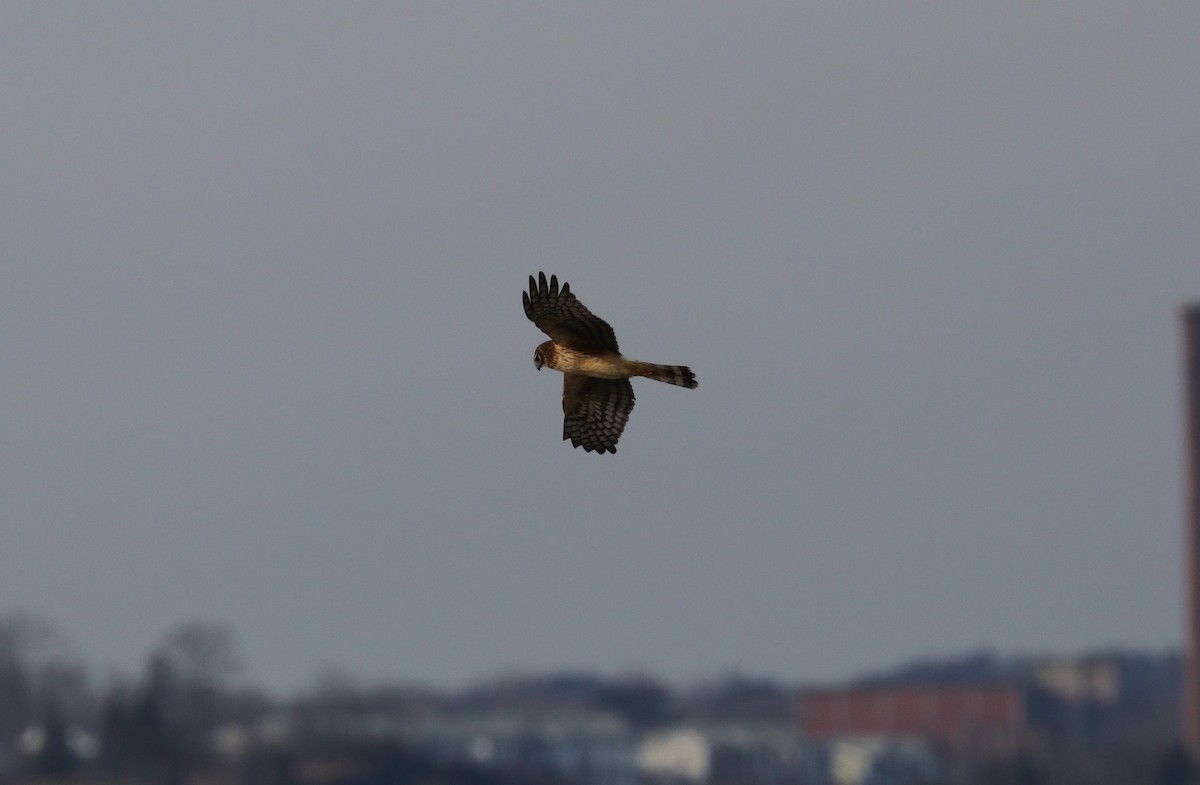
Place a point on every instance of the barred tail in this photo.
(671, 374)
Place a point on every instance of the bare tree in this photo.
(202, 654)
(200, 657)
(38, 667)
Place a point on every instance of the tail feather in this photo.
(671, 374)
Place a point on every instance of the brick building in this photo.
(945, 714)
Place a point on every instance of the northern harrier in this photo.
(597, 396)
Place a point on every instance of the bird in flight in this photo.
(597, 396)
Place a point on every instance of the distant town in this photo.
(1098, 717)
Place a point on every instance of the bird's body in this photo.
(597, 395)
(601, 366)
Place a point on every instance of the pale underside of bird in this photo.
(597, 395)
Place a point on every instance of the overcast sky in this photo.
(265, 362)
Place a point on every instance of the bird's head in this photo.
(541, 355)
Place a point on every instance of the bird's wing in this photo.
(595, 411)
(558, 313)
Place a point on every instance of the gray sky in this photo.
(265, 359)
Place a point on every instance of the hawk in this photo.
(597, 396)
